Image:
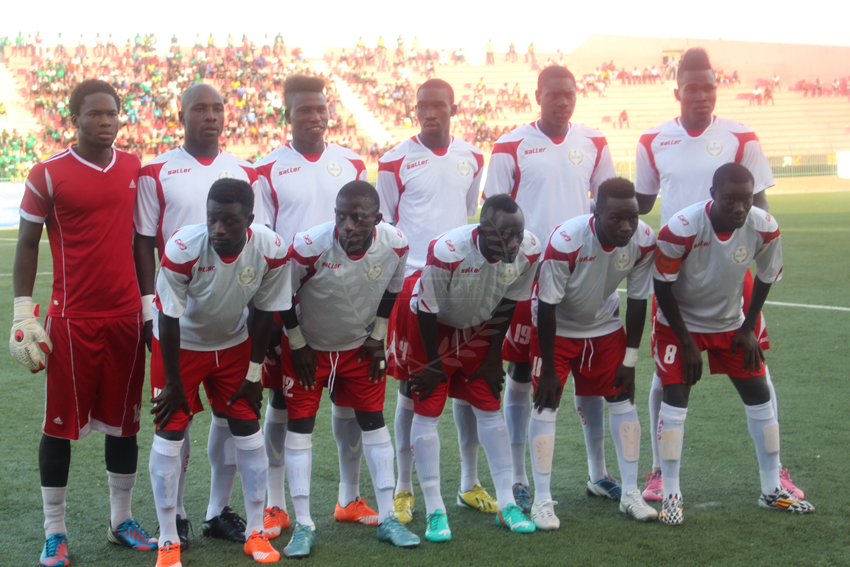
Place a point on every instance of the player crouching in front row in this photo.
(345, 275)
(208, 275)
(703, 255)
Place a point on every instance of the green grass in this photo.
(724, 525)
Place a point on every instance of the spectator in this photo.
(624, 117)
(818, 88)
(529, 54)
(757, 96)
(511, 54)
(768, 96)
(491, 54)
(776, 82)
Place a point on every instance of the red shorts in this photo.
(668, 358)
(279, 375)
(518, 340)
(398, 344)
(465, 350)
(593, 362)
(94, 376)
(346, 379)
(220, 371)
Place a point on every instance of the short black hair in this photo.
(554, 72)
(360, 189)
(230, 190)
(500, 202)
(438, 84)
(89, 87)
(731, 173)
(614, 188)
(301, 84)
(694, 59)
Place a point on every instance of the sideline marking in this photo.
(780, 303)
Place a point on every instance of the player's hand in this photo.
(624, 380)
(305, 363)
(492, 371)
(374, 350)
(274, 350)
(691, 363)
(426, 381)
(148, 330)
(167, 403)
(253, 394)
(753, 355)
(28, 342)
(549, 387)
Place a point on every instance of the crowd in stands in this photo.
(18, 153)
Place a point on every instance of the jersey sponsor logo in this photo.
(416, 164)
(247, 276)
(180, 244)
(587, 258)
(566, 236)
(374, 272)
(449, 245)
(670, 143)
(576, 157)
(509, 275)
(330, 266)
(684, 220)
(470, 270)
(334, 169)
(534, 151)
(206, 268)
(623, 260)
(289, 170)
(181, 170)
(307, 239)
(132, 184)
(741, 255)
(698, 244)
(226, 175)
(714, 149)
(464, 168)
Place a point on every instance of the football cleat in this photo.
(274, 520)
(258, 547)
(55, 551)
(183, 526)
(543, 515)
(632, 504)
(394, 532)
(403, 506)
(606, 487)
(227, 525)
(522, 496)
(781, 499)
(788, 484)
(437, 527)
(654, 489)
(168, 555)
(511, 517)
(477, 499)
(671, 511)
(303, 538)
(130, 534)
(357, 511)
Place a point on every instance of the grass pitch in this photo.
(724, 525)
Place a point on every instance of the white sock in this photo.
(656, 396)
(426, 446)
(350, 450)
(222, 456)
(625, 429)
(673, 427)
(493, 434)
(764, 430)
(380, 456)
(53, 502)
(253, 465)
(120, 497)
(275, 438)
(517, 412)
(467, 439)
(541, 437)
(773, 403)
(164, 467)
(299, 465)
(591, 410)
(185, 452)
(404, 454)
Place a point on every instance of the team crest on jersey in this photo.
(334, 169)
(226, 175)
(464, 168)
(623, 260)
(509, 275)
(714, 149)
(741, 255)
(576, 157)
(247, 276)
(374, 272)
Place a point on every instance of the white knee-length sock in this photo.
(426, 447)
(53, 503)
(222, 455)
(517, 412)
(591, 410)
(541, 438)
(467, 439)
(185, 453)
(350, 452)
(275, 440)
(672, 432)
(625, 429)
(774, 404)
(164, 467)
(764, 430)
(299, 466)
(404, 454)
(380, 456)
(493, 434)
(120, 497)
(253, 465)
(656, 396)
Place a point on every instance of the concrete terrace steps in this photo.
(20, 114)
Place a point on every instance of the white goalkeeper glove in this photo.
(28, 342)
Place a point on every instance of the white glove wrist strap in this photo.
(296, 339)
(380, 330)
(255, 372)
(25, 308)
(631, 357)
(147, 308)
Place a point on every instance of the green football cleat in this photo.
(437, 527)
(511, 517)
(301, 543)
(394, 532)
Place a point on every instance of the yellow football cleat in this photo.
(478, 499)
(403, 506)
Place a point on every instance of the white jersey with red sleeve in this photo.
(427, 192)
(708, 268)
(682, 165)
(173, 189)
(210, 293)
(580, 275)
(338, 293)
(88, 211)
(463, 288)
(551, 179)
(299, 191)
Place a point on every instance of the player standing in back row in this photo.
(428, 184)
(551, 167)
(679, 157)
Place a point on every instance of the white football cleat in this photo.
(632, 504)
(543, 515)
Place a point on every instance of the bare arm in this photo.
(26, 258)
(143, 253)
(691, 357)
(172, 397)
(645, 202)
